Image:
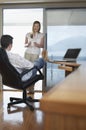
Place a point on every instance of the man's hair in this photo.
(6, 40)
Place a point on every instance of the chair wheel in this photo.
(11, 100)
(8, 107)
(31, 108)
(30, 97)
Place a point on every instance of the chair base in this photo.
(25, 99)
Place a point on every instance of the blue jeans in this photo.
(39, 63)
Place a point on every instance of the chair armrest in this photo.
(28, 70)
(38, 70)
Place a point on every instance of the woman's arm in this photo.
(41, 45)
(27, 42)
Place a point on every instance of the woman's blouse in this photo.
(37, 38)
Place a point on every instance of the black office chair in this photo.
(12, 78)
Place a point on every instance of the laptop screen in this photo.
(72, 53)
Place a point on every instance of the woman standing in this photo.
(34, 41)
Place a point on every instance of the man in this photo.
(19, 62)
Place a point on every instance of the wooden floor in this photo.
(20, 117)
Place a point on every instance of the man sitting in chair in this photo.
(19, 62)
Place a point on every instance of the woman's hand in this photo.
(27, 44)
(38, 45)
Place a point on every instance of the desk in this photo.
(65, 104)
(67, 66)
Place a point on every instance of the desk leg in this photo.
(67, 73)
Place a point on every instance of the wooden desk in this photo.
(67, 66)
(65, 104)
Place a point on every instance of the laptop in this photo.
(71, 55)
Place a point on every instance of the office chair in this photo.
(12, 78)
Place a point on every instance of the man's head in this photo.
(6, 41)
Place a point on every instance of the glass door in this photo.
(66, 28)
(18, 22)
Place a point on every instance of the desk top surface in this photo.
(69, 96)
(64, 63)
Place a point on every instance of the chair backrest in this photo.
(10, 76)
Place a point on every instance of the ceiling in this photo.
(37, 1)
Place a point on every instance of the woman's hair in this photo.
(6, 40)
(36, 22)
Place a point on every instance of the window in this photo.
(66, 29)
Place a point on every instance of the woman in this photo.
(34, 41)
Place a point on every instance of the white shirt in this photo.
(37, 38)
(19, 63)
